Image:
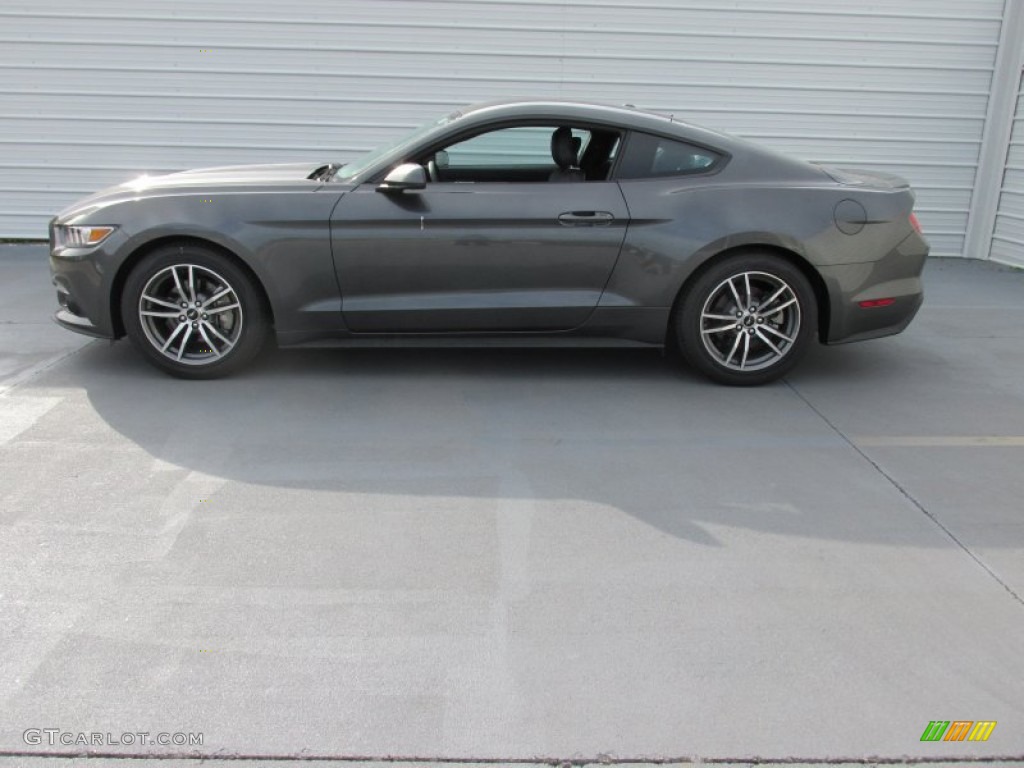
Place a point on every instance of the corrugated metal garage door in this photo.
(94, 93)
(1008, 240)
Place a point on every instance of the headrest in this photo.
(564, 148)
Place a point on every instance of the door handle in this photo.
(586, 218)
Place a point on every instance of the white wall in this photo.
(94, 93)
(1008, 239)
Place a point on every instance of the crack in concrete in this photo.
(907, 495)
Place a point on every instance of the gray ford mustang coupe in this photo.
(525, 223)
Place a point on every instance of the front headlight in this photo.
(80, 236)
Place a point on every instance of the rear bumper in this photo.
(878, 322)
(896, 276)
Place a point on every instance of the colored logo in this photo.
(958, 730)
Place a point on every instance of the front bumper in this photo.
(67, 319)
(83, 279)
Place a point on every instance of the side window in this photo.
(650, 157)
(526, 154)
(512, 148)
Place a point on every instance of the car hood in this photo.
(235, 173)
(278, 176)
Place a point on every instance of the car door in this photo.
(474, 253)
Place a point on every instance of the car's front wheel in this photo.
(747, 319)
(193, 312)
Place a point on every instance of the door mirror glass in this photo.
(406, 177)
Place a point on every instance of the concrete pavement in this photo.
(559, 554)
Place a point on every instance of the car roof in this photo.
(768, 162)
(623, 115)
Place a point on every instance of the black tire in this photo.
(725, 334)
(218, 336)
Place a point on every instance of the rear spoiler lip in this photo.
(859, 177)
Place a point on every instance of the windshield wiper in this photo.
(332, 170)
(325, 172)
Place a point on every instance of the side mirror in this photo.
(406, 177)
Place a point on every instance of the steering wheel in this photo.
(432, 170)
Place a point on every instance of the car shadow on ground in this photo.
(630, 430)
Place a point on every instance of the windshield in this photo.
(358, 165)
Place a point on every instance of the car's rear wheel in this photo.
(747, 319)
(193, 312)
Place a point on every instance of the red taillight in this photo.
(877, 303)
(915, 223)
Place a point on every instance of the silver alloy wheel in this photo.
(190, 314)
(750, 321)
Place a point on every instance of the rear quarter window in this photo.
(653, 157)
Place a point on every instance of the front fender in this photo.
(283, 238)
